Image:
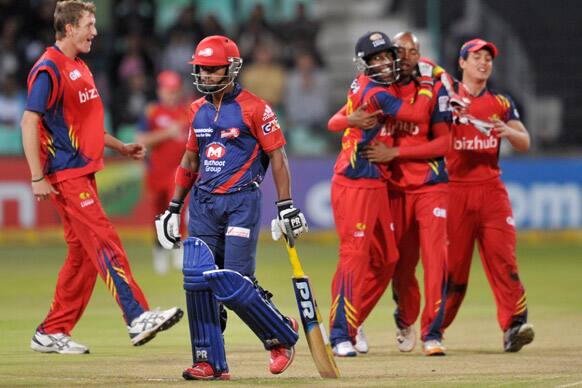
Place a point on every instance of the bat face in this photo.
(314, 329)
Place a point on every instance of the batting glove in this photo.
(168, 226)
(290, 222)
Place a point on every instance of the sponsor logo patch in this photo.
(477, 143)
(207, 52)
(510, 221)
(360, 230)
(88, 94)
(237, 231)
(268, 113)
(439, 212)
(86, 199)
(443, 103)
(270, 127)
(215, 151)
(75, 75)
(230, 133)
(203, 132)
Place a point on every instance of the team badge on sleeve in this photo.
(270, 127)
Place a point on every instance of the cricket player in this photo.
(164, 130)
(418, 201)
(63, 138)
(233, 137)
(479, 207)
(359, 195)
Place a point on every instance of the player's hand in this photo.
(290, 220)
(379, 152)
(501, 129)
(43, 189)
(362, 119)
(168, 226)
(425, 71)
(134, 151)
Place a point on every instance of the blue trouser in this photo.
(229, 225)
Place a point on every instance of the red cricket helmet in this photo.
(216, 51)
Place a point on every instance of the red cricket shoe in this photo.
(282, 357)
(203, 371)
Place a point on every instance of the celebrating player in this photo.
(164, 130)
(479, 205)
(63, 138)
(234, 135)
(418, 201)
(359, 195)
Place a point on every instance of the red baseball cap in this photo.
(169, 80)
(476, 45)
(215, 50)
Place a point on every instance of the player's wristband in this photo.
(37, 179)
(175, 207)
(185, 178)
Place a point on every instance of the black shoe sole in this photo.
(521, 339)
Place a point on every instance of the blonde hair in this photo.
(70, 12)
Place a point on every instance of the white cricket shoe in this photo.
(361, 341)
(406, 339)
(145, 327)
(344, 349)
(56, 343)
(433, 348)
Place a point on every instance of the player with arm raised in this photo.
(233, 137)
(479, 207)
(63, 138)
(367, 253)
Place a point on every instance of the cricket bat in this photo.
(311, 319)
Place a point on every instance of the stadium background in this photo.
(302, 62)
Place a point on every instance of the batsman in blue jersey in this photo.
(233, 137)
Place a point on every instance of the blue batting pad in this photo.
(239, 294)
(203, 312)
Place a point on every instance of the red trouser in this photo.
(482, 212)
(367, 256)
(421, 221)
(93, 248)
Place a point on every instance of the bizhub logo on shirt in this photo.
(477, 143)
(88, 94)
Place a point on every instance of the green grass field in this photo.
(551, 272)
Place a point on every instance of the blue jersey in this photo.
(232, 142)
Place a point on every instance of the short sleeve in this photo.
(441, 112)
(39, 93)
(266, 128)
(511, 113)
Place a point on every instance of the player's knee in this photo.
(197, 258)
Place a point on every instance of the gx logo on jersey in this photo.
(215, 151)
(270, 127)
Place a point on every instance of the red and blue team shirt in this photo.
(349, 163)
(71, 128)
(474, 157)
(166, 155)
(419, 175)
(232, 144)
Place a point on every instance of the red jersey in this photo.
(349, 163)
(71, 130)
(166, 155)
(474, 156)
(418, 174)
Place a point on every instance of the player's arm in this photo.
(150, 138)
(132, 150)
(41, 188)
(290, 219)
(360, 118)
(168, 223)
(37, 101)
(515, 132)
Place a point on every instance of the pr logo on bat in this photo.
(304, 295)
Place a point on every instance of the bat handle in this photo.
(289, 234)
